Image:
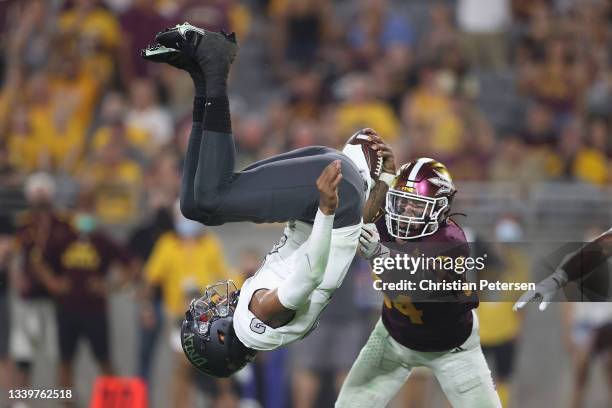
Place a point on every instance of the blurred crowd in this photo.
(500, 90)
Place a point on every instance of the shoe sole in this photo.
(161, 50)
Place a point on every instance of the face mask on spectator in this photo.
(508, 231)
(187, 228)
(85, 223)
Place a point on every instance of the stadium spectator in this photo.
(160, 198)
(141, 244)
(33, 324)
(139, 23)
(171, 267)
(229, 15)
(539, 127)
(500, 326)
(361, 109)
(442, 34)
(250, 136)
(558, 80)
(32, 24)
(95, 32)
(472, 158)
(23, 150)
(591, 163)
(483, 26)
(6, 246)
(428, 113)
(116, 180)
(82, 260)
(375, 29)
(112, 126)
(300, 33)
(147, 115)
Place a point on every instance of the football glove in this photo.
(369, 243)
(544, 291)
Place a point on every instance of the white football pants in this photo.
(384, 365)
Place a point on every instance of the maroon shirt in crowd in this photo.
(81, 259)
(141, 25)
(35, 230)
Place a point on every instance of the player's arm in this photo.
(576, 265)
(277, 307)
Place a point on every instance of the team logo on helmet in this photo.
(443, 181)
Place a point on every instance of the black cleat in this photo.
(213, 52)
(171, 56)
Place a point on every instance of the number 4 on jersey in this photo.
(405, 306)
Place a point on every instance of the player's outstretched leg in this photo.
(275, 190)
(181, 60)
(211, 150)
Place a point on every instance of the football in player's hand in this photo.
(365, 138)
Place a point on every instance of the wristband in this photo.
(387, 178)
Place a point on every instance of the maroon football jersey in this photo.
(444, 320)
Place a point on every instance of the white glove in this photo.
(369, 243)
(545, 290)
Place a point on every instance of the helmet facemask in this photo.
(218, 301)
(410, 216)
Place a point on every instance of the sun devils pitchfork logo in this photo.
(443, 181)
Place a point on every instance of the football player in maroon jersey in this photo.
(440, 329)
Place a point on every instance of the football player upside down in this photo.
(320, 192)
(435, 330)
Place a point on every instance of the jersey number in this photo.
(404, 305)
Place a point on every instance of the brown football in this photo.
(371, 156)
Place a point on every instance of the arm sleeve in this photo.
(310, 267)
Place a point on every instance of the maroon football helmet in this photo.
(419, 199)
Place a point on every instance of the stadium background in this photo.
(514, 96)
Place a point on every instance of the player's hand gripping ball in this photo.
(376, 151)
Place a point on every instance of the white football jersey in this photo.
(277, 266)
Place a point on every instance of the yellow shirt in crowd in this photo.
(376, 115)
(178, 267)
(435, 113)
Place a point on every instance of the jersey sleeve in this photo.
(343, 247)
(310, 264)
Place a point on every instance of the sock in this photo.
(217, 116)
(199, 83)
(199, 105)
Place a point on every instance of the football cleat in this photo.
(171, 56)
(214, 52)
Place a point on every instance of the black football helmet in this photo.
(207, 333)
